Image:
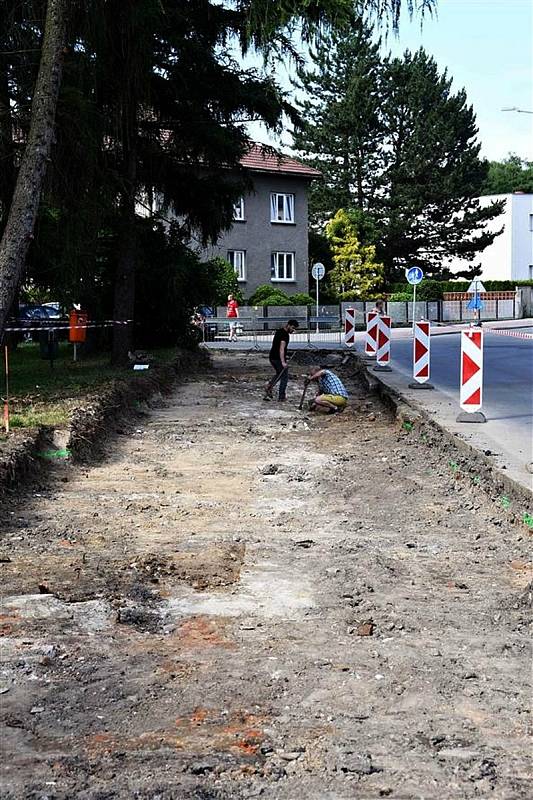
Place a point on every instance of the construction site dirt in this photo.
(247, 600)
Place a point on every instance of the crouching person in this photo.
(332, 396)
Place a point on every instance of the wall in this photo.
(522, 237)
(510, 257)
(259, 237)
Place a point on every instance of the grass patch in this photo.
(42, 395)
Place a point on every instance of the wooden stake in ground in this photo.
(6, 398)
(25, 203)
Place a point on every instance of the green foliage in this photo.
(356, 272)
(302, 299)
(171, 283)
(397, 297)
(150, 92)
(223, 281)
(270, 295)
(429, 290)
(394, 142)
(513, 174)
(459, 286)
(267, 295)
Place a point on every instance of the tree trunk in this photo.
(124, 302)
(18, 231)
(7, 160)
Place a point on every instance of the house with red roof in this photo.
(268, 242)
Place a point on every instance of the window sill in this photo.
(282, 280)
(239, 220)
(281, 222)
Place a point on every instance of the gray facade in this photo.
(260, 239)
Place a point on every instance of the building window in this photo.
(237, 259)
(238, 210)
(281, 207)
(282, 267)
(531, 222)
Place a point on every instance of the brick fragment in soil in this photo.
(246, 600)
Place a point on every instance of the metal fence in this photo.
(256, 324)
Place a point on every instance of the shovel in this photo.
(302, 398)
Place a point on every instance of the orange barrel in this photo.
(77, 319)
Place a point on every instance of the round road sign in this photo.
(318, 271)
(414, 275)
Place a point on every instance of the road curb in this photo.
(472, 463)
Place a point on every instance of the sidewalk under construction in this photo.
(243, 600)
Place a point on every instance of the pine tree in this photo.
(342, 128)
(428, 210)
(395, 142)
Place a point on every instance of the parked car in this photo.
(36, 316)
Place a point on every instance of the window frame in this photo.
(274, 266)
(288, 206)
(239, 204)
(231, 258)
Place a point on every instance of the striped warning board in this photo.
(383, 341)
(421, 351)
(349, 327)
(371, 336)
(471, 396)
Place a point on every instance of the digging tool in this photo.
(306, 386)
(272, 382)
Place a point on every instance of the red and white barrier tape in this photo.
(515, 333)
(108, 323)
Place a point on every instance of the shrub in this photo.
(397, 297)
(261, 293)
(274, 299)
(458, 286)
(302, 299)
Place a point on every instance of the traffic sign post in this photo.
(421, 356)
(476, 303)
(414, 276)
(318, 271)
(349, 327)
(383, 344)
(471, 393)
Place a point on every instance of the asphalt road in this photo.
(507, 390)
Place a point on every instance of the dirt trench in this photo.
(244, 600)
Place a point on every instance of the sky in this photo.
(487, 46)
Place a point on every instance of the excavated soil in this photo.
(244, 600)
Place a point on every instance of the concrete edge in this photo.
(472, 463)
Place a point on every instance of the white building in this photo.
(510, 256)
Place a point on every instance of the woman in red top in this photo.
(232, 313)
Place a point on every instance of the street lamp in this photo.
(518, 110)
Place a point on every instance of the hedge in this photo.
(455, 286)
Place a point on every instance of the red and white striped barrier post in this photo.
(421, 355)
(471, 394)
(383, 344)
(349, 327)
(371, 334)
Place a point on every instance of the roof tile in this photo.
(261, 159)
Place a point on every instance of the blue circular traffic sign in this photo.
(414, 275)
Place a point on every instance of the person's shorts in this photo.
(335, 399)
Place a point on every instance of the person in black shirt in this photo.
(278, 359)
